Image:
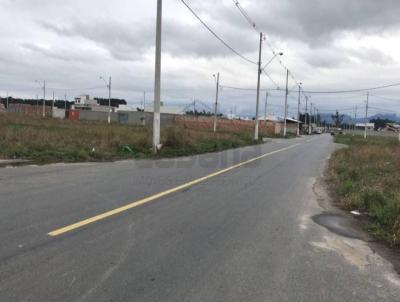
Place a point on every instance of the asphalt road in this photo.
(244, 234)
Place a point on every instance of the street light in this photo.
(298, 111)
(109, 97)
(258, 82)
(270, 61)
(216, 101)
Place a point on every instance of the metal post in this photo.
(216, 104)
(258, 87)
(286, 97)
(366, 116)
(298, 114)
(44, 98)
(109, 100)
(157, 82)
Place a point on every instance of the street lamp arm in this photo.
(270, 61)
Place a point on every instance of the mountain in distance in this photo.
(327, 117)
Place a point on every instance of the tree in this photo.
(381, 123)
(338, 119)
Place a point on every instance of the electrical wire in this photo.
(216, 36)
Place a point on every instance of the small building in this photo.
(391, 127)
(85, 102)
(370, 126)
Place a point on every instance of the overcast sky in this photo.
(327, 45)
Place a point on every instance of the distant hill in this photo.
(327, 117)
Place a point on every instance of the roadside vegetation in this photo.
(366, 177)
(51, 140)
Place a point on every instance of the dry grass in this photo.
(366, 177)
(48, 140)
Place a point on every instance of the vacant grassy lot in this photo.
(50, 140)
(366, 177)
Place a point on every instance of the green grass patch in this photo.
(45, 140)
(366, 177)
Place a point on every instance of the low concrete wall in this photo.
(88, 115)
(127, 117)
(58, 113)
(265, 128)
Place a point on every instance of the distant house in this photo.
(391, 127)
(370, 126)
(85, 102)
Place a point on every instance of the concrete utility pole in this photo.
(298, 112)
(216, 103)
(37, 103)
(65, 102)
(7, 103)
(355, 119)
(309, 124)
(286, 97)
(52, 106)
(144, 109)
(157, 81)
(109, 100)
(44, 98)
(265, 109)
(306, 114)
(366, 116)
(258, 87)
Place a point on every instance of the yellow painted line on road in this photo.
(140, 202)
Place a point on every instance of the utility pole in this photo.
(44, 98)
(65, 103)
(366, 116)
(265, 109)
(37, 104)
(52, 106)
(258, 87)
(355, 119)
(286, 97)
(309, 124)
(157, 81)
(216, 104)
(7, 102)
(109, 100)
(306, 114)
(144, 109)
(298, 112)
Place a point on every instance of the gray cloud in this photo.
(130, 41)
(79, 40)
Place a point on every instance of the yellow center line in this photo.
(137, 203)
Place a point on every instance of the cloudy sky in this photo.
(327, 45)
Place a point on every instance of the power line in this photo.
(245, 15)
(384, 98)
(216, 36)
(353, 90)
(326, 92)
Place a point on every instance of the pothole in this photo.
(338, 224)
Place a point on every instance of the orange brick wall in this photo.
(268, 128)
